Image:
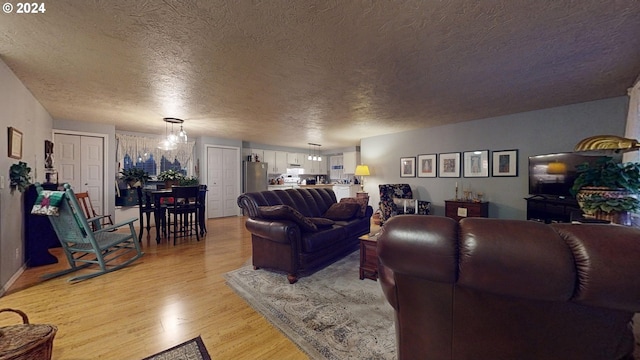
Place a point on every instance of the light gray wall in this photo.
(22, 111)
(532, 133)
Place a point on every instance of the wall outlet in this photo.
(1, 181)
(17, 253)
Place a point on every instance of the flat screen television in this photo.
(552, 175)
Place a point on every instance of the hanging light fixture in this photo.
(312, 152)
(171, 140)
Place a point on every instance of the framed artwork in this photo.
(449, 164)
(427, 166)
(505, 163)
(408, 167)
(15, 143)
(476, 163)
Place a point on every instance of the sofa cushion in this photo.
(341, 211)
(328, 238)
(286, 212)
(362, 202)
(322, 223)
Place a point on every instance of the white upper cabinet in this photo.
(350, 160)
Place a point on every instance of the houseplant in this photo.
(170, 177)
(189, 181)
(608, 189)
(19, 176)
(134, 176)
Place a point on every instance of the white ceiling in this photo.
(328, 72)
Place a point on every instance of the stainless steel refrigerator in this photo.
(254, 176)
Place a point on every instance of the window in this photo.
(142, 152)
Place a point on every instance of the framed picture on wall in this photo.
(15, 143)
(427, 166)
(476, 163)
(449, 164)
(408, 167)
(505, 163)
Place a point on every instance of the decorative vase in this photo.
(168, 184)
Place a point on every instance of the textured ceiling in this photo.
(329, 72)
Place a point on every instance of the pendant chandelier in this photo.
(171, 140)
(313, 156)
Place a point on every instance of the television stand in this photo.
(552, 209)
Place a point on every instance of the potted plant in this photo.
(608, 189)
(134, 177)
(19, 176)
(189, 181)
(170, 178)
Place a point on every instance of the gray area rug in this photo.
(331, 314)
(193, 349)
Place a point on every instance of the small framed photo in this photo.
(427, 166)
(476, 163)
(449, 164)
(408, 167)
(15, 143)
(505, 163)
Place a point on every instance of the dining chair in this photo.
(183, 213)
(96, 220)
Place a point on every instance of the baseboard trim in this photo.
(13, 279)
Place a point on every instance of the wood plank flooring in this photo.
(172, 294)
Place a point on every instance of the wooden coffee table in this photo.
(368, 257)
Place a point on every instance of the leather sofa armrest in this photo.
(279, 231)
(408, 242)
(607, 262)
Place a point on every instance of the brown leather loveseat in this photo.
(510, 290)
(300, 230)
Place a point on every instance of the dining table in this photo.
(159, 211)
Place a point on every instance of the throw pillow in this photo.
(322, 223)
(363, 203)
(341, 211)
(48, 203)
(286, 212)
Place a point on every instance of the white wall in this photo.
(22, 111)
(532, 133)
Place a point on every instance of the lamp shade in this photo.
(362, 170)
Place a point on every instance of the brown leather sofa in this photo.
(283, 241)
(509, 289)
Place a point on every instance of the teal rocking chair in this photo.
(107, 248)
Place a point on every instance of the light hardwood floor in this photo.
(172, 294)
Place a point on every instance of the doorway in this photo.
(223, 181)
(79, 160)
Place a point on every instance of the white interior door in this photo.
(91, 169)
(223, 168)
(67, 159)
(214, 182)
(80, 163)
(230, 181)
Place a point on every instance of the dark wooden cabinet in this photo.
(368, 257)
(458, 210)
(550, 210)
(38, 232)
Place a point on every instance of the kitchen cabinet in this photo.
(336, 167)
(277, 161)
(350, 160)
(295, 159)
(343, 191)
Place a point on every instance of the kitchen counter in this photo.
(282, 187)
(317, 186)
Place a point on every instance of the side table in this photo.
(368, 257)
(458, 210)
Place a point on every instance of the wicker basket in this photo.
(26, 341)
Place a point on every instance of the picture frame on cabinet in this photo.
(427, 166)
(449, 165)
(476, 163)
(505, 163)
(408, 167)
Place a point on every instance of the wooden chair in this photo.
(97, 221)
(83, 247)
(184, 212)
